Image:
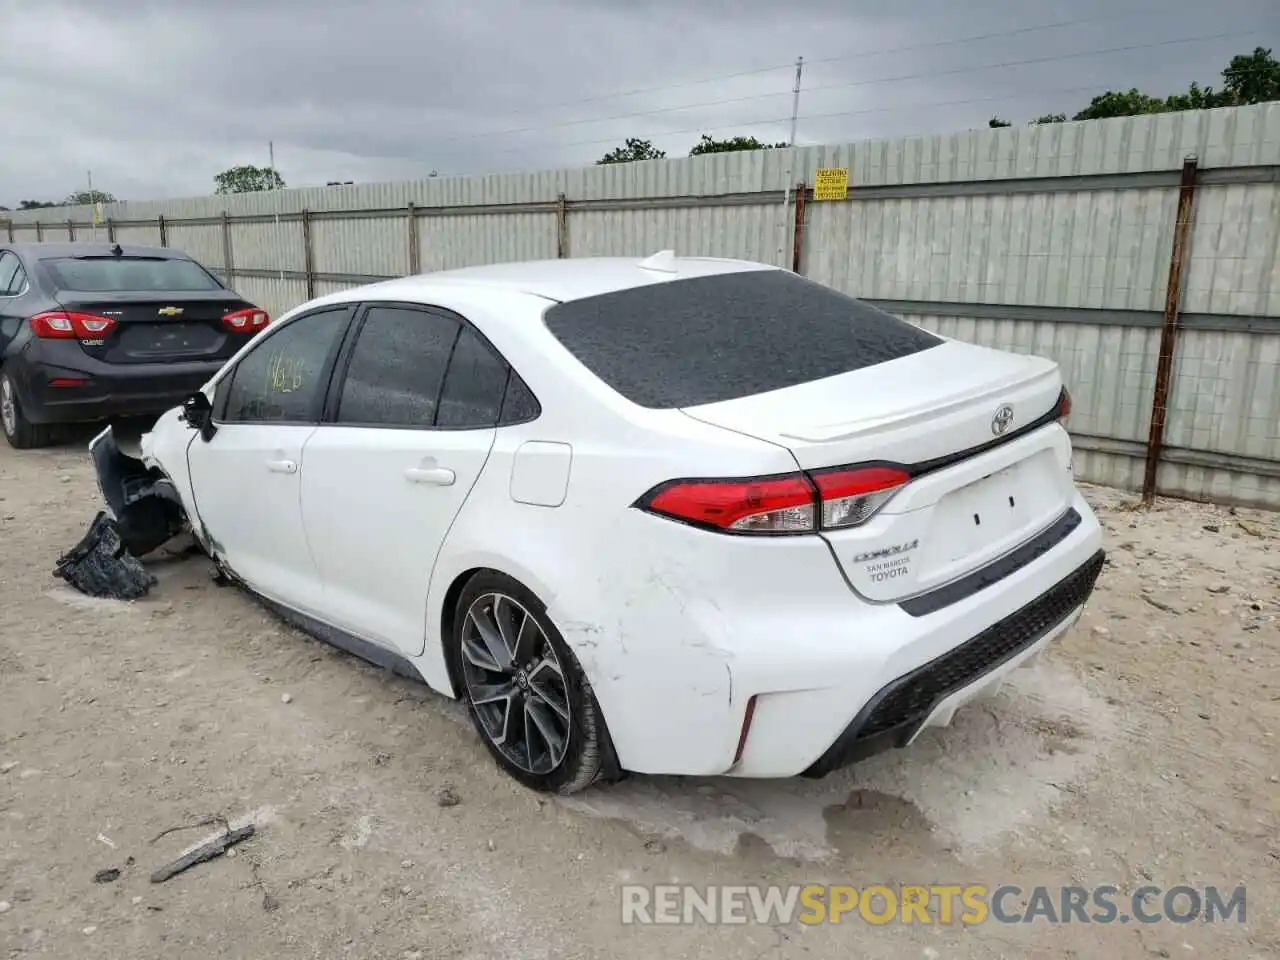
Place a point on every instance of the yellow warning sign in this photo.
(831, 183)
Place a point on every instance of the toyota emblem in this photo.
(1002, 419)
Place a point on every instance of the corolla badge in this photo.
(1002, 420)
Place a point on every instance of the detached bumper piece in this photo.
(892, 717)
(100, 566)
(147, 509)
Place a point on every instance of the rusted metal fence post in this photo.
(562, 227)
(1169, 331)
(228, 257)
(39, 232)
(308, 264)
(411, 215)
(9, 224)
(164, 230)
(71, 229)
(111, 231)
(797, 241)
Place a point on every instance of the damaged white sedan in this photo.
(679, 516)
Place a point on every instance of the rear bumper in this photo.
(929, 694)
(97, 390)
(913, 670)
(829, 678)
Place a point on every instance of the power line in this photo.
(853, 83)
(999, 98)
(879, 51)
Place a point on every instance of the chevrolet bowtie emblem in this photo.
(169, 311)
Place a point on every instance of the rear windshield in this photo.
(127, 274)
(707, 339)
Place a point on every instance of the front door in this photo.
(247, 478)
(409, 429)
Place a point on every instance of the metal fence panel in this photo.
(366, 245)
(447, 242)
(742, 232)
(1053, 239)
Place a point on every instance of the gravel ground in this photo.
(1142, 749)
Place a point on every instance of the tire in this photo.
(543, 689)
(21, 433)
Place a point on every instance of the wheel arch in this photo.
(611, 769)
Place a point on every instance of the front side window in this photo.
(397, 368)
(282, 379)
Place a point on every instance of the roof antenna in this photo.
(116, 249)
(664, 261)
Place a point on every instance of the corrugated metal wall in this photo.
(1053, 239)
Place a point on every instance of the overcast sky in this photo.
(156, 98)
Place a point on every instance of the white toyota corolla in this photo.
(680, 516)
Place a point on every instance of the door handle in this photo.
(282, 466)
(434, 475)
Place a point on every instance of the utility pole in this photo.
(93, 208)
(271, 153)
(795, 100)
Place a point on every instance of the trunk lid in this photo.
(160, 326)
(963, 418)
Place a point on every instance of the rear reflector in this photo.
(246, 321)
(1064, 406)
(68, 325)
(778, 505)
(67, 382)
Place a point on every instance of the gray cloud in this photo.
(157, 98)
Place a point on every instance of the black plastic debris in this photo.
(147, 508)
(100, 566)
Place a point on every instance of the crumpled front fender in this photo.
(145, 504)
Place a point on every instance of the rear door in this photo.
(165, 309)
(411, 422)
(247, 479)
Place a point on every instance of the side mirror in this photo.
(198, 412)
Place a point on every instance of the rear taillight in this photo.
(246, 321)
(779, 504)
(1064, 406)
(67, 325)
(782, 504)
(853, 495)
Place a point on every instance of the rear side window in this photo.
(282, 379)
(474, 386)
(397, 368)
(127, 274)
(11, 275)
(709, 339)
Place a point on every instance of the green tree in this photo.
(89, 196)
(248, 179)
(633, 149)
(1252, 78)
(36, 204)
(995, 122)
(1051, 118)
(1196, 98)
(708, 144)
(1128, 103)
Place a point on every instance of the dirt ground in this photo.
(1143, 749)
